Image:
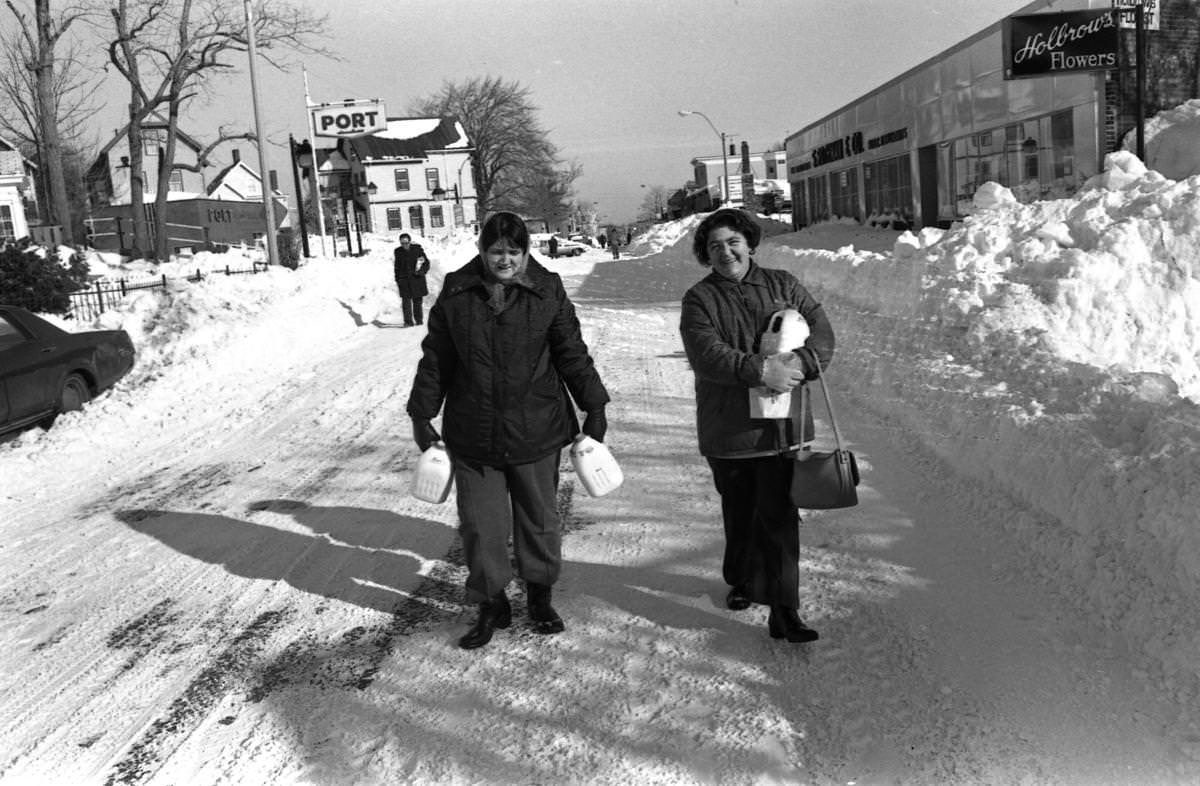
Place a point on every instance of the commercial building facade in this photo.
(912, 152)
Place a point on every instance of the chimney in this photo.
(237, 155)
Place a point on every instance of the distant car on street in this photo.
(45, 371)
(566, 248)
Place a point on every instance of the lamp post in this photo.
(724, 160)
(370, 190)
(299, 151)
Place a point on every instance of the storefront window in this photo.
(843, 193)
(887, 186)
(1062, 155)
(818, 199)
(800, 215)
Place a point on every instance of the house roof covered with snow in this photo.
(411, 137)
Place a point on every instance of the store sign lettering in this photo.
(349, 120)
(1044, 44)
(887, 139)
(838, 149)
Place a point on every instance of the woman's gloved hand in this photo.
(595, 425)
(782, 372)
(424, 433)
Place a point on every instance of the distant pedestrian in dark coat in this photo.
(411, 267)
(506, 356)
(614, 242)
(553, 247)
(723, 317)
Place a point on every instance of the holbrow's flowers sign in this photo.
(1048, 44)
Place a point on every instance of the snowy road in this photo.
(242, 592)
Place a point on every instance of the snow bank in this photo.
(1051, 348)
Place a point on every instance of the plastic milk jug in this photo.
(785, 331)
(595, 466)
(434, 475)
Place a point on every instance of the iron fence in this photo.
(106, 294)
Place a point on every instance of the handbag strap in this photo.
(837, 435)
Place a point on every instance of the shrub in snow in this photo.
(39, 282)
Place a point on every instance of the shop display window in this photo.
(843, 193)
(887, 186)
(1035, 159)
(818, 199)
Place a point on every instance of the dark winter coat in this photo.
(504, 378)
(411, 270)
(721, 323)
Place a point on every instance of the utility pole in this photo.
(268, 200)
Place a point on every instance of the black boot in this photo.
(785, 623)
(737, 599)
(494, 613)
(545, 618)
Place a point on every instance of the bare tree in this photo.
(168, 50)
(546, 193)
(42, 86)
(512, 150)
(654, 203)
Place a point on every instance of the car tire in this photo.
(74, 394)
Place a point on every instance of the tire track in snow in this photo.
(229, 669)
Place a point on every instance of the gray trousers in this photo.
(495, 503)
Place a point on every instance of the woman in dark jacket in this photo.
(722, 321)
(506, 356)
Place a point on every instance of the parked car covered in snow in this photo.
(45, 371)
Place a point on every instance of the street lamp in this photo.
(724, 160)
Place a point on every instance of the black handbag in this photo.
(823, 481)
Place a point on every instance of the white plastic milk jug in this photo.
(434, 475)
(785, 331)
(595, 466)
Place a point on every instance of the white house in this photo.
(108, 177)
(239, 182)
(16, 189)
(414, 177)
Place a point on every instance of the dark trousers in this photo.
(762, 528)
(495, 503)
(412, 310)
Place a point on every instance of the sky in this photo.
(215, 572)
(609, 76)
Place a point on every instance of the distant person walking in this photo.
(722, 319)
(614, 242)
(553, 247)
(411, 266)
(505, 355)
